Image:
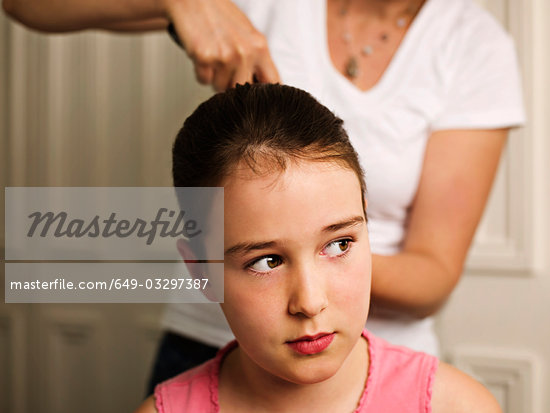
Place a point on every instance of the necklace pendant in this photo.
(367, 50)
(347, 37)
(352, 68)
(401, 22)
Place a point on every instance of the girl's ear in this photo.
(185, 250)
(197, 269)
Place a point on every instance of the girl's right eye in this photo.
(265, 264)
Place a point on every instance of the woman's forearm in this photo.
(146, 25)
(70, 15)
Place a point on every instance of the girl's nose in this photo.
(307, 293)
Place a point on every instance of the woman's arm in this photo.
(71, 15)
(145, 25)
(224, 45)
(458, 171)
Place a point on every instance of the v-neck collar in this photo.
(407, 45)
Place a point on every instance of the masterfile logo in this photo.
(113, 244)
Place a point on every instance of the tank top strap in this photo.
(195, 390)
(399, 379)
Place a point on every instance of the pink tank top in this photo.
(399, 380)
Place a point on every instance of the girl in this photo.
(297, 271)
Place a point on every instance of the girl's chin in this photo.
(311, 372)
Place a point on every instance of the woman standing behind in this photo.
(428, 90)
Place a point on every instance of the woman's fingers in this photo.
(223, 74)
(244, 73)
(266, 71)
(204, 74)
(224, 45)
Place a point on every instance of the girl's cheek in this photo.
(355, 286)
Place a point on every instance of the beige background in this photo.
(96, 109)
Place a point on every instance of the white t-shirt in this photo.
(456, 68)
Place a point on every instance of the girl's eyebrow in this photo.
(245, 247)
(350, 222)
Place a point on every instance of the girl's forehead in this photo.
(306, 194)
(294, 210)
(273, 175)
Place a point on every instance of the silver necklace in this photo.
(367, 49)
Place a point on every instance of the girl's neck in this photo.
(244, 386)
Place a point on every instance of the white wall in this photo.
(497, 322)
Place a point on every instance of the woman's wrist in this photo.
(166, 8)
(409, 283)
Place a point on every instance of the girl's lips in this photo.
(311, 345)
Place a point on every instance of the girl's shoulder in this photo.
(148, 406)
(456, 392)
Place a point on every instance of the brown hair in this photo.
(264, 125)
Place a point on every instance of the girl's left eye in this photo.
(265, 264)
(337, 248)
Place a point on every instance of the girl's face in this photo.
(297, 268)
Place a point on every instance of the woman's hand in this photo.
(225, 47)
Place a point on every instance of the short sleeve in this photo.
(258, 12)
(484, 87)
(244, 5)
